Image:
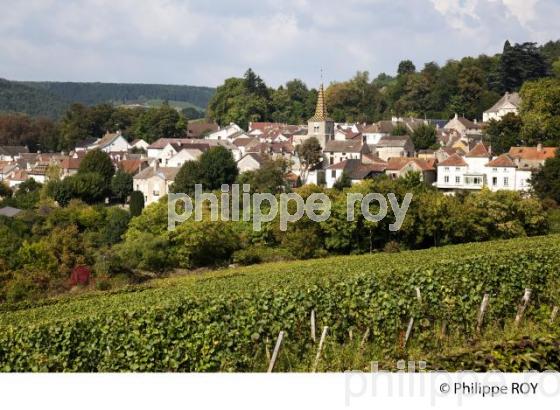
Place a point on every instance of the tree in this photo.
(27, 194)
(99, 162)
(310, 155)
(424, 136)
(546, 182)
(217, 167)
(406, 67)
(504, 134)
(213, 169)
(556, 68)
(241, 100)
(5, 190)
(268, 178)
(160, 122)
(89, 187)
(540, 111)
(343, 182)
(520, 63)
(188, 176)
(399, 129)
(121, 185)
(136, 203)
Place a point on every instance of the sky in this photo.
(202, 42)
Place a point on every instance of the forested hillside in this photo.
(18, 97)
(96, 93)
(51, 99)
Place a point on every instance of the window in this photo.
(156, 193)
(446, 179)
(457, 180)
(457, 169)
(331, 160)
(506, 181)
(446, 169)
(494, 181)
(333, 174)
(494, 169)
(316, 129)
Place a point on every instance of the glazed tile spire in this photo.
(321, 109)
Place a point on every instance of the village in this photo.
(463, 159)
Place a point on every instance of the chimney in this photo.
(539, 147)
(456, 116)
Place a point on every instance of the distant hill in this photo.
(18, 97)
(50, 99)
(117, 93)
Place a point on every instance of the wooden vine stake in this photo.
(411, 321)
(275, 352)
(408, 330)
(481, 312)
(554, 314)
(523, 306)
(364, 339)
(313, 337)
(320, 348)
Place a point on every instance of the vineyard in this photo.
(416, 305)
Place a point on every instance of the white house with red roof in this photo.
(477, 169)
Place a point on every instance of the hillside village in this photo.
(462, 161)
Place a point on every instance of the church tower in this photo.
(320, 125)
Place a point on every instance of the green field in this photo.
(227, 320)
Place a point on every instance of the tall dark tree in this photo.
(520, 63)
(503, 134)
(99, 162)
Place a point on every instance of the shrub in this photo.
(136, 203)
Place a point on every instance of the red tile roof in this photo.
(532, 153)
(479, 151)
(503, 161)
(453, 161)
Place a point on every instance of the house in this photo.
(154, 181)
(69, 166)
(12, 152)
(251, 162)
(111, 142)
(17, 177)
(355, 169)
(160, 149)
(509, 103)
(132, 166)
(245, 144)
(173, 149)
(390, 146)
(228, 133)
(6, 169)
(83, 145)
(531, 157)
(337, 151)
(185, 155)
(400, 167)
(39, 172)
(451, 173)
(503, 174)
(139, 144)
(466, 128)
(477, 170)
(199, 129)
